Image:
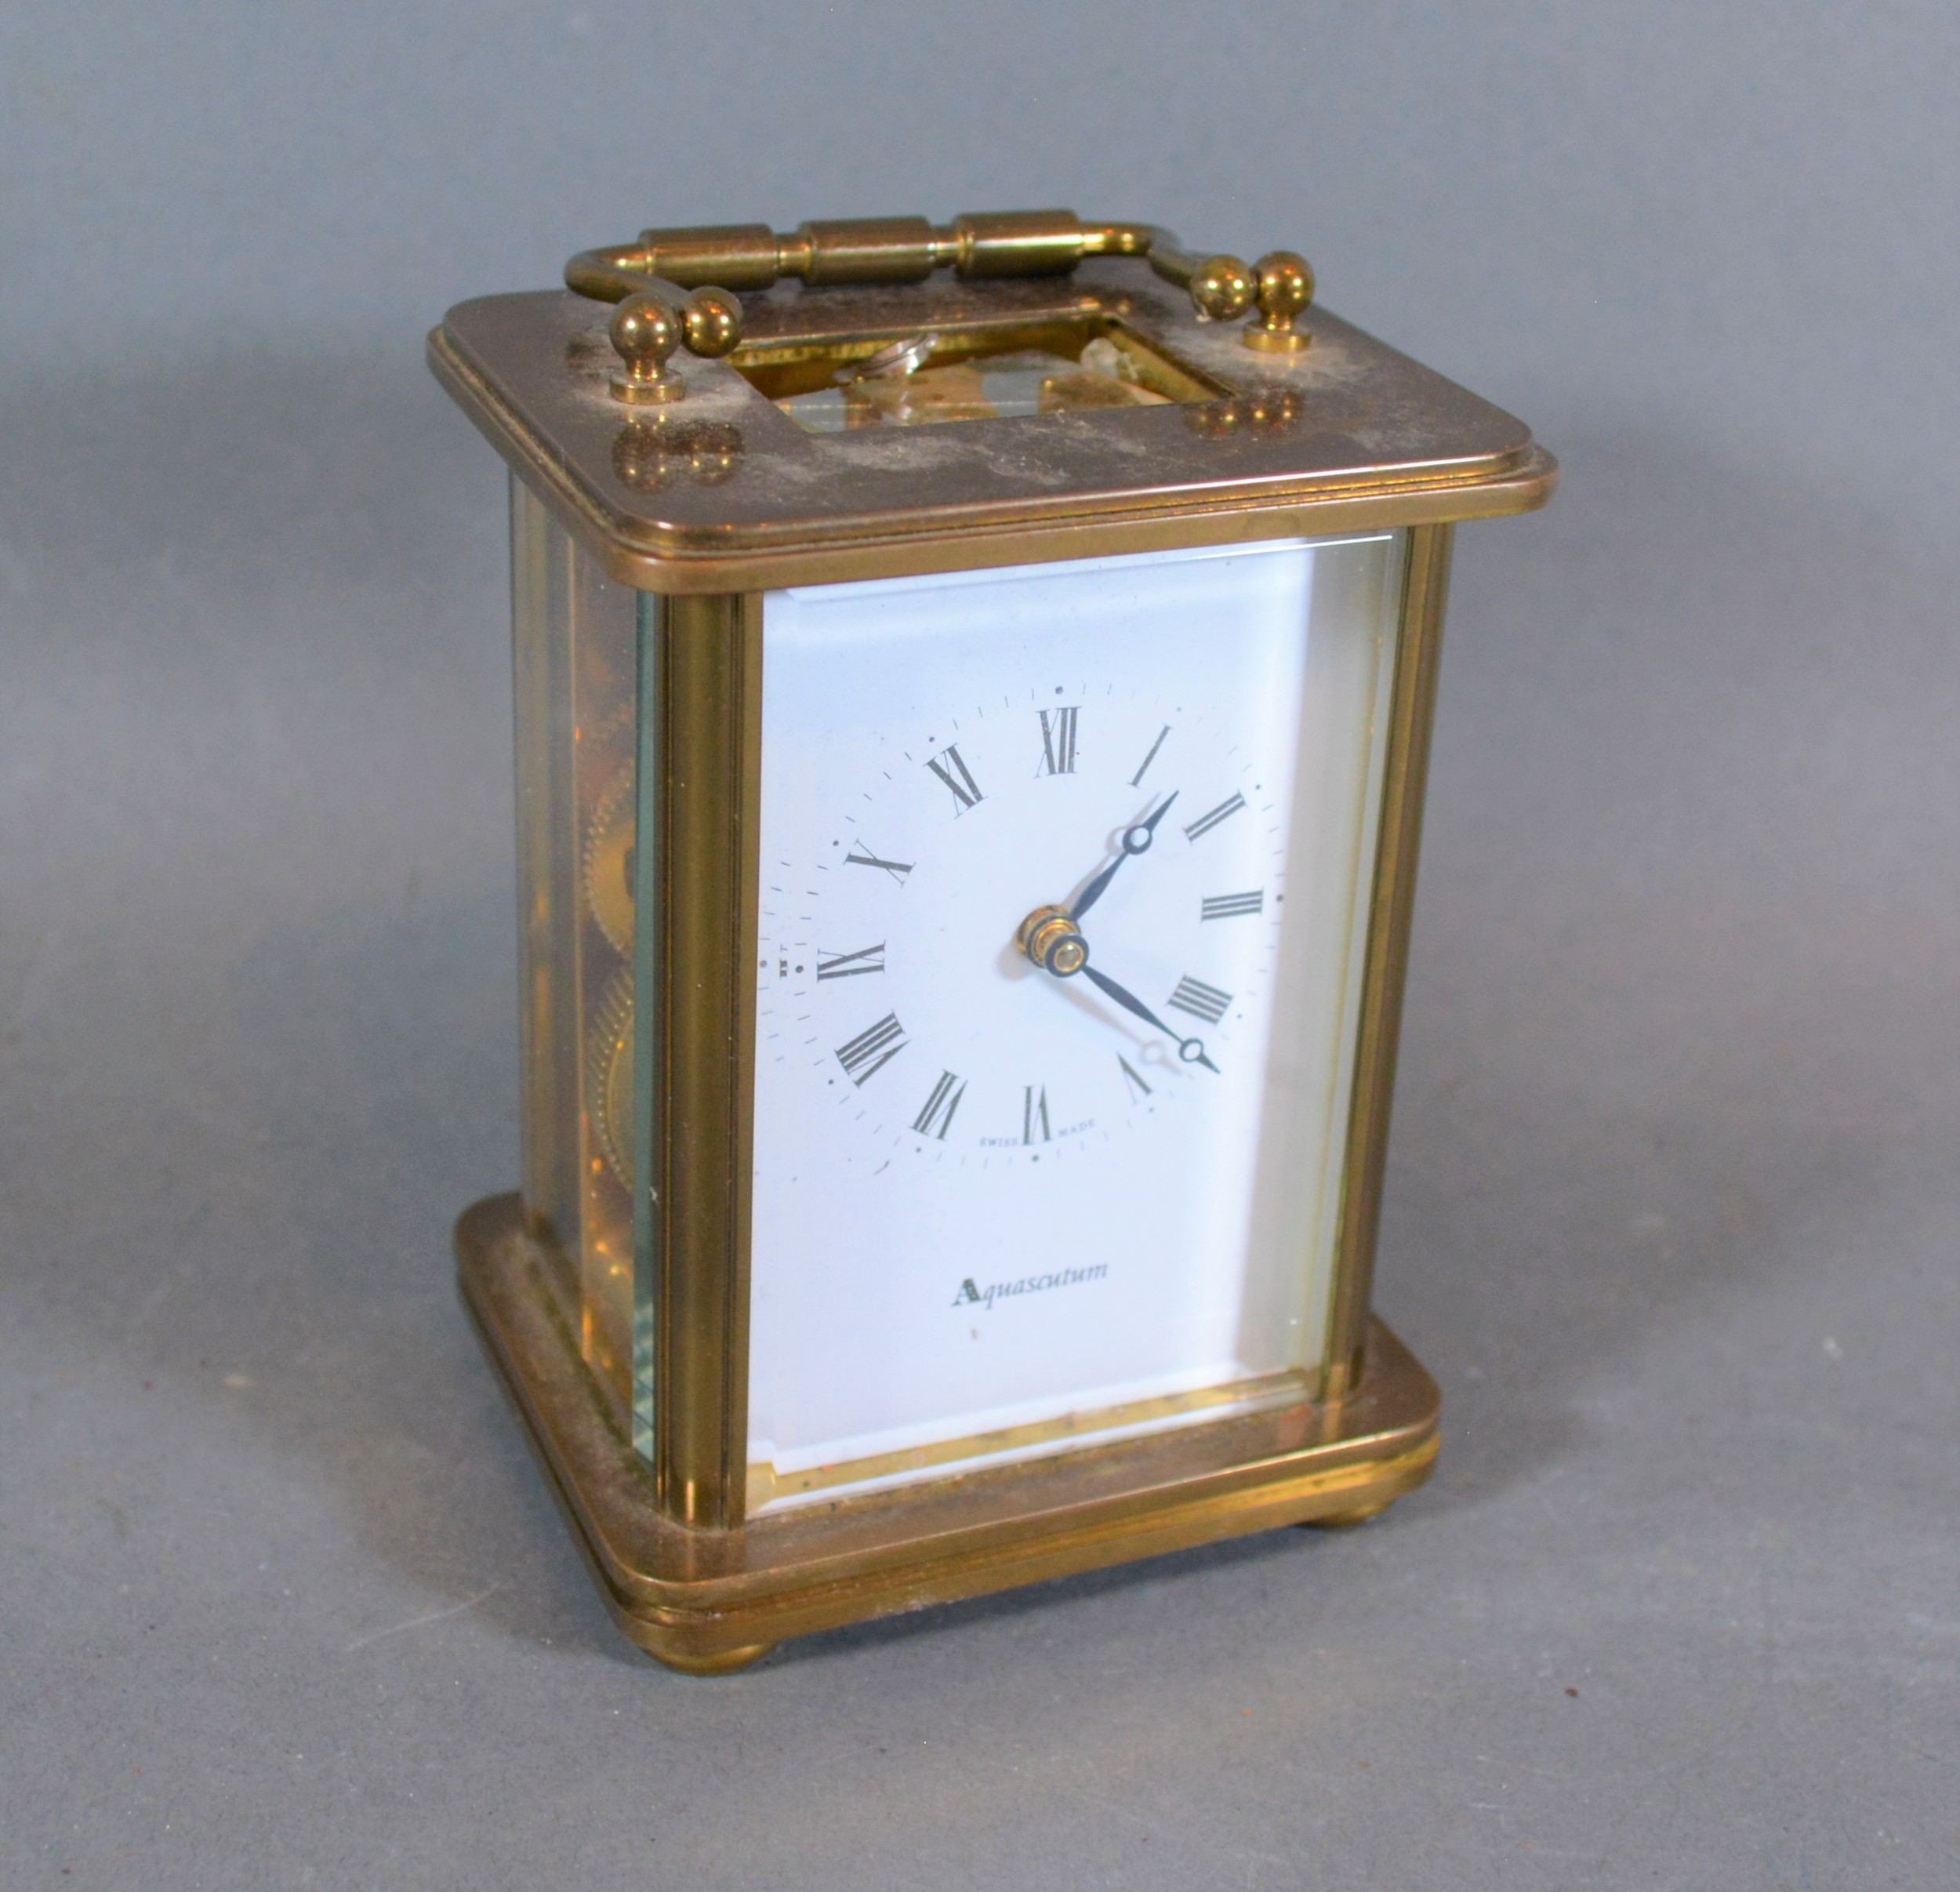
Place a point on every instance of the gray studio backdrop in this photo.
(1671, 1208)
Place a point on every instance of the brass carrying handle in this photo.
(651, 279)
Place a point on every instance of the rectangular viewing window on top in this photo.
(996, 373)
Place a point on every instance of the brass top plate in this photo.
(721, 490)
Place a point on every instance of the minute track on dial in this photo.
(882, 968)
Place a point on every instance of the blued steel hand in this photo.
(1136, 840)
(1190, 1050)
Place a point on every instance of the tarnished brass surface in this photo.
(650, 452)
(1356, 436)
(701, 1599)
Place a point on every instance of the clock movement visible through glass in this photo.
(996, 373)
(1062, 908)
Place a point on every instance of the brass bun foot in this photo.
(727, 1662)
(1345, 1520)
(711, 1602)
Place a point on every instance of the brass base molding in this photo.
(709, 1602)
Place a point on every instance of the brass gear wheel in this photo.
(609, 863)
(609, 1077)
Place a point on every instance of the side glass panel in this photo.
(998, 1212)
(574, 693)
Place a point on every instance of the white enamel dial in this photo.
(999, 1204)
(939, 1038)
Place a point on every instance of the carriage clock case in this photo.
(973, 689)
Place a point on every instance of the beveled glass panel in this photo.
(573, 679)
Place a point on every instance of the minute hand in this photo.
(1130, 1002)
(1136, 840)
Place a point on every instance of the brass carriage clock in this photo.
(973, 692)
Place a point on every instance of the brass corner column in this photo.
(700, 707)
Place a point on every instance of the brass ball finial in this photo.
(1221, 288)
(711, 323)
(1285, 288)
(645, 331)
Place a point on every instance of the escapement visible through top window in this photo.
(997, 372)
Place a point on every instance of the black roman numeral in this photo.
(898, 869)
(1205, 823)
(1034, 1114)
(1201, 1000)
(1233, 906)
(936, 1119)
(847, 965)
(950, 767)
(1059, 741)
(1133, 1078)
(1136, 781)
(871, 1049)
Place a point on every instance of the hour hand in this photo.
(1191, 1049)
(1136, 840)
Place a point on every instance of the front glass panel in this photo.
(998, 1210)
